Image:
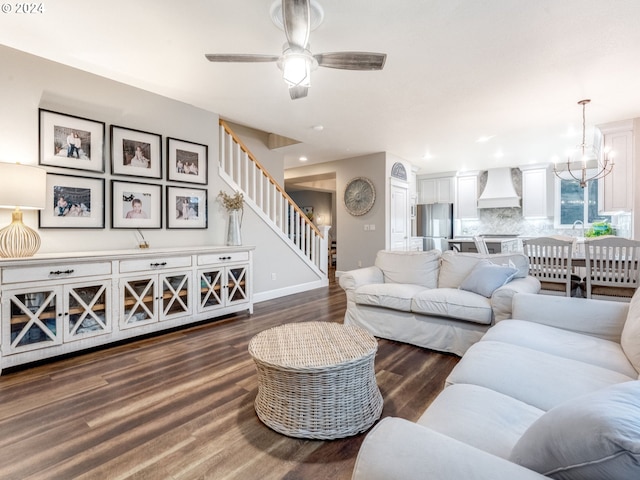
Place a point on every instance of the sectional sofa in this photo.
(551, 393)
(442, 301)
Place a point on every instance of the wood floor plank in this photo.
(179, 405)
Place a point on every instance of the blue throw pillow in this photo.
(486, 277)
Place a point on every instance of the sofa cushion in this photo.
(595, 436)
(630, 339)
(563, 343)
(396, 296)
(531, 376)
(486, 277)
(453, 303)
(455, 266)
(480, 417)
(418, 268)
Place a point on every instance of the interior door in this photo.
(399, 216)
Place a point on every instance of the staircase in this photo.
(244, 173)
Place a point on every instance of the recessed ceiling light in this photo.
(484, 138)
(427, 156)
(318, 128)
(499, 154)
(303, 159)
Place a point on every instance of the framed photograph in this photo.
(187, 161)
(73, 202)
(135, 153)
(71, 142)
(135, 205)
(186, 207)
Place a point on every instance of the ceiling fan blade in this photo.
(352, 60)
(298, 91)
(296, 17)
(240, 57)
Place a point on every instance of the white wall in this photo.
(28, 83)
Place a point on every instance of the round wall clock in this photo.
(359, 196)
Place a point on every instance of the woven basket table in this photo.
(316, 379)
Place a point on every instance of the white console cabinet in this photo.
(53, 304)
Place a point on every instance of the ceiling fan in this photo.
(297, 61)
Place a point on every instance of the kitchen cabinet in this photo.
(54, 304)
(616, 189)
(467, 197)
(535, 192)
(437, 190)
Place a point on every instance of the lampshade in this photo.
(21, 186)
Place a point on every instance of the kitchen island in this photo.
(495, 244)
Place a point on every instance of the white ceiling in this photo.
(456, 70)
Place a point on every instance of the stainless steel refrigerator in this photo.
(434, 222)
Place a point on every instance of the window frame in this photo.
(585, 207)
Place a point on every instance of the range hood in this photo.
(499, 191)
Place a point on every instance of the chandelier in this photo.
(582, 155)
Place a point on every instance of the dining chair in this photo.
(481, 245)
(612, 268)
(550, 262)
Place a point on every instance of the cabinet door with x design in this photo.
(221, 286)
(44, 316)
(152, 298)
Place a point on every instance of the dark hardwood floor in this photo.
(179, 405)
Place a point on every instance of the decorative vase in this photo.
(233, 231)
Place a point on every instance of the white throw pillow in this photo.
(593, 437)
(486, 277)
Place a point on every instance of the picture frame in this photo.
(186, 207)
(68, 141)
(135, 153)
(136, 205)
(187, 161)
(73, 202)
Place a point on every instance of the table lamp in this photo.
(21, 186)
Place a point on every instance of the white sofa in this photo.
(552, 393)
(442, 301)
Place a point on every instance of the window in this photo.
(574, 203)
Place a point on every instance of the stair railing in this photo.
(242, 169)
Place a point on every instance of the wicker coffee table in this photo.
(316, 379)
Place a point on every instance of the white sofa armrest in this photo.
(352, 279)
(397, 449)
(502, 298)
(599, 318)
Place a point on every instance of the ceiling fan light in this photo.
(296, 70)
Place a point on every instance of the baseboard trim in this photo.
(283, 292)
